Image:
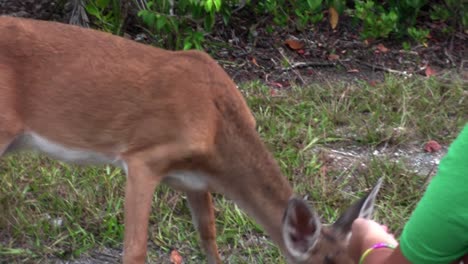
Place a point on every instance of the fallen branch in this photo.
(382, 68)
(78, 16)
(309, 64)
(280, 50)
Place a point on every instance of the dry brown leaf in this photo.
(372, 83)
(432, 146)
(294, 44)
(382, 48)
(323, 171)
(276, 84)
(429, 71)
(333, 57)
(254, 61)
(176, 258)
(333, 17)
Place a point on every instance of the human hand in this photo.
(366, 233)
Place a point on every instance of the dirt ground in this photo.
(319, 55)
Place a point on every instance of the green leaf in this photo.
(148, 17)
(209, 21)
(102, 3)
(187, 43)
(161, 22)
(314, 4)
(92, 10)
(209, 5)
(217, 4)
(339, 5)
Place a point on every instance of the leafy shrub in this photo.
(107, 14)
(183, 24)
(377, 22)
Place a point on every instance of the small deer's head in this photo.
(307, 241)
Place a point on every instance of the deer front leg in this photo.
(201, 207)
(139, 190)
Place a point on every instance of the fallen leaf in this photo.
(353, 70)
(300, 51)
(382, 48)
(323, 171)
(333, 57)
(176, 258)
(333, 17)
(276, 84)
(294, 44)
(254, 61)
(372, 83)
(429, 71)
(432, 146)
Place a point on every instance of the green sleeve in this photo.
(437, 231)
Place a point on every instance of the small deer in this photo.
(165, 117)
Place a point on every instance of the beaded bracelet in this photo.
(376, 246)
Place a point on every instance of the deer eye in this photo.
(329, 260)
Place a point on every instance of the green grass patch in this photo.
(50, 209)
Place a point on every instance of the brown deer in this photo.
(165, 117)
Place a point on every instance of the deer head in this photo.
(308, 241)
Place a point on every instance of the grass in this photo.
(53, 210)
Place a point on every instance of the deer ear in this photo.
(301, 228)
(363, 208)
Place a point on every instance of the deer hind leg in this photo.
(10, 125)
(10, 129)
(201, 207)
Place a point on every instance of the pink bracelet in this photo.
(376, 246)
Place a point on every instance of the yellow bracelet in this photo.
(376, 246)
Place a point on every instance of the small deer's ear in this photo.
(301, 228)
(363, 208)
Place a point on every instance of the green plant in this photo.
(308, 12)
(107, 15)
(276, 8)
(301, 13)
(183, 26)
(454, 12)
(406, 45)
(407, 11)
(440, 12)
(419, 35)
(377, 22)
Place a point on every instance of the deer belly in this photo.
(33, 141)
(187, 181)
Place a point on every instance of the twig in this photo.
(171, 9)
(382, 68)
(280, 50)
(449, 56)
(141, 4)
(309, 64)
(79, 16)
(241, 5)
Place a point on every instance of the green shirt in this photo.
(437, 231)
